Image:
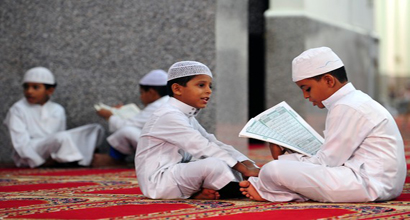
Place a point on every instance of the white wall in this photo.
(393, 27)
(355, 15)
(231, 72)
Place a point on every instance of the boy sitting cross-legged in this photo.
(362, 158)
(176, 157)
(126, 132)
(37, 127)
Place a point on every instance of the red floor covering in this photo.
(114, 194)
(81, 193)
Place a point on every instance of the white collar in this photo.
(186, 109)
(348, 88)
(37, 105)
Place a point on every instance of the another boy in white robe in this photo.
(124, 140)
(362, 158)
(176, 158)
(37, 126)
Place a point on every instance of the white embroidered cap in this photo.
(39, 75)
(314, 62)
(187, 68)
(154, 78)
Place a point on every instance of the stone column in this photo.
(231, 71)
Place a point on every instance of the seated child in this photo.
(362, 157)
(124, 140)
(37, 126)
(176, 158)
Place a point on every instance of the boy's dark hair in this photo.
(181, 81)
(161, 90)
(48, 86)
(339, 74)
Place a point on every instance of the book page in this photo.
(125, 111)
(283, 126)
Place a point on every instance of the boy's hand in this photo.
(276, 150)
(245, 170)
(118, 105)
(252, 171)
(106, 114)
(249, 164)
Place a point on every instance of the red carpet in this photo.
(114, 194)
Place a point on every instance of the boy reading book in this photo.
(127, 130)
(362, 157)
(176, 158)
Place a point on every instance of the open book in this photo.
(281, 125)
(125, 111)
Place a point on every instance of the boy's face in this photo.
(316, 91)
(36, 93)
(148, 96)
(196, 93)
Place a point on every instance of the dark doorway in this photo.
(256, 51)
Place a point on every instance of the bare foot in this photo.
(105, 160)
(206, 194)
(249, 191)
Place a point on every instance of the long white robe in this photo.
(38, 132)
(127, 131)
(176, 156)
(362, 158)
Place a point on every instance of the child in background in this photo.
(362, 158)
(176, 158)
(124, 140)
(37, 127)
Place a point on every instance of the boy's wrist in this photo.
(240, 167)
(248, 163)
(245, 170)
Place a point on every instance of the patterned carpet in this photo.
(80, 193)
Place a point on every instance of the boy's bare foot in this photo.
(206, 194)
(249, 191)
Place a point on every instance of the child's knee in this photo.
(276, 171)
(215, 165)
(98, 127)
(61, 137)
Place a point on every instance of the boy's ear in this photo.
(50, 91)
(330, 80)
(153, 93)
(176, 89)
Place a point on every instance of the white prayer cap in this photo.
(155, 78)
(187, 68)
(314, 62)
(39, 75)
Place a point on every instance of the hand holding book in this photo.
(281, 125)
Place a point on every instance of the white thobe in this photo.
(164, 167)
(362, 158)
(127, 131)
(38, 132)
